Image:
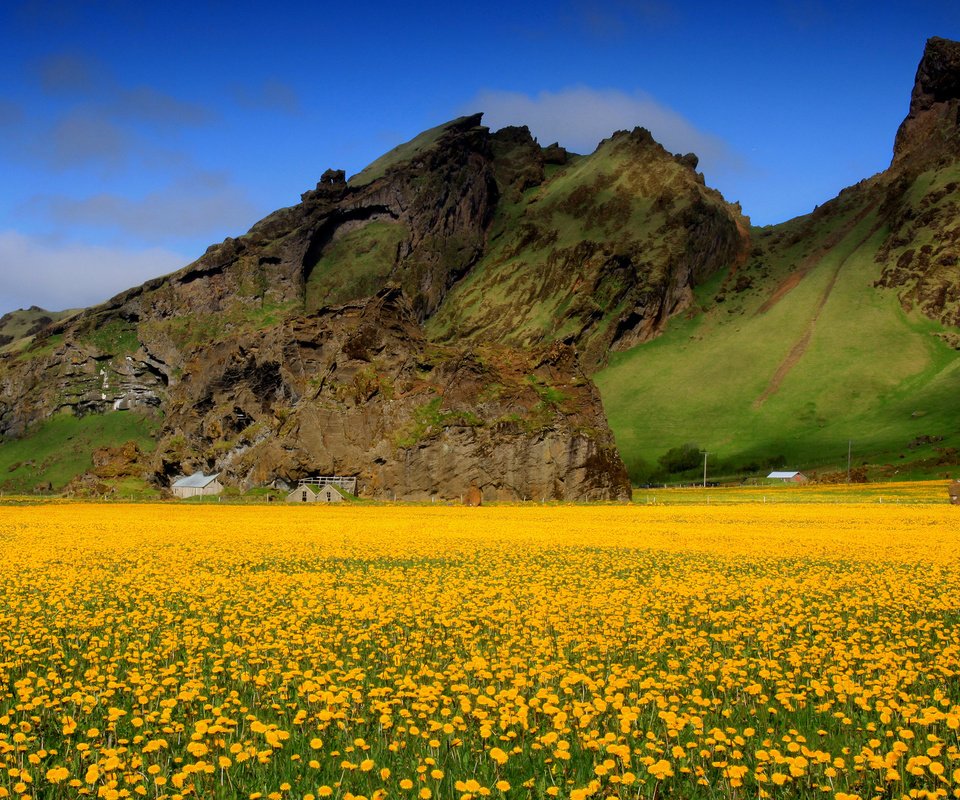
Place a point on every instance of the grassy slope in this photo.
(524, 283)
(869, 373)
(60, 449)
(17, 324)
(356, 265)
(401, 153)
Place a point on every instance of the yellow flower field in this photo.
(571, 652)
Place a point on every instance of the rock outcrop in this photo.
(357, 390)
(930, 134)
(919, 195)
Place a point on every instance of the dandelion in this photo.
(591, 652)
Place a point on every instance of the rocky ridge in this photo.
(419, 221)
(920, 202)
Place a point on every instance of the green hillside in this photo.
(60, 449)
(356, 265)
(17, 328)
(807, 356)
(606, 233)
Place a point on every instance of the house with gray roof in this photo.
(788, 477)
(197, 484)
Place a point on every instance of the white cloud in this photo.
(56, 276)
(201, 204)
(580, 117)
(198, 205)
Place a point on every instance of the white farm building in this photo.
(197, 484)
(788, 477)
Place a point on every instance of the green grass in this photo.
(870, 374)
(913, 493)
(429, 420)
(32, 347)
(60, 448)
(115, 337)
(193, 330)
(356, 265)
(401, 153)
(545, 274)
(17, 324)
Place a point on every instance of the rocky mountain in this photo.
(434, 322)
(415, 221)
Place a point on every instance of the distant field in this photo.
(915, 492)
(721, 651)
(912, 492)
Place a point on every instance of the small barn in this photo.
(306, 493)
(788, 477)
(197, 484)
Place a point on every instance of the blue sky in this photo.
(133, 135)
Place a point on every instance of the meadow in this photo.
(700, 651)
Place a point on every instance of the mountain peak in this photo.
(931, 129)
(415, 147)
(938, 76)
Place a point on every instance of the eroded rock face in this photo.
(357, 390)
(77, 379)
(931, 130)
(919, 195)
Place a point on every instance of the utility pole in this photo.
(705, 454)
(849, 448)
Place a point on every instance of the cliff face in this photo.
(920, 201)
(930, 134)
(357, 390)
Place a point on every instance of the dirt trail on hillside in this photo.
(746, 243)
(800, 346)
(810, 261)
